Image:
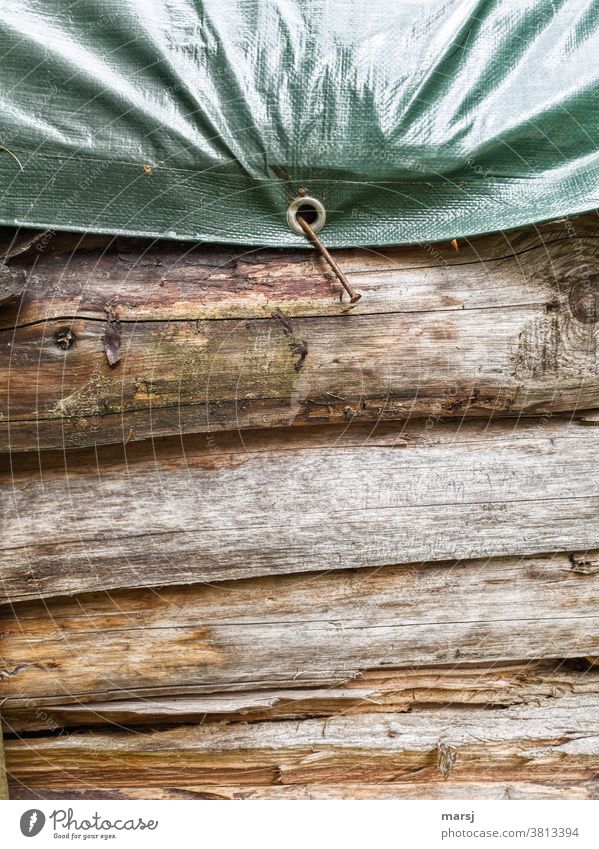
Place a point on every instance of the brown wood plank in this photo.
(521, 743)
(302, 501)
(385, 690)
(3, 780)
(458, 790)
(508, 325)
(77, 276)
(296, 631)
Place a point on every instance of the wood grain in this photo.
(508, 325)
(300, 501)
(521, 743)
(165, 280)
(458, 790)
(3, 780)
(291, 632)
(376, 690)
(383, 606)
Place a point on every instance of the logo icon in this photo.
(32, 822)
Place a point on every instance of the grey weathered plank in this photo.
(296, 631)
(526, 743)
(508, 325)
(301, 501)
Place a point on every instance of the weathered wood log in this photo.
(293, 632)
(3, 781)
(459, 790)
(507, 325)
(81, 273)
(373, 691)
(518, 743)
(301, 500)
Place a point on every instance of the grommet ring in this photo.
(308, 208)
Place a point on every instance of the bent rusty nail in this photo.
(353, 295)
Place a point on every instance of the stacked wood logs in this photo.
(262, 543)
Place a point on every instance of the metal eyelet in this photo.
(306, 203)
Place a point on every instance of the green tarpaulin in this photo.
(411, 121)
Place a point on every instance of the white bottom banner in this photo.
(295, 824)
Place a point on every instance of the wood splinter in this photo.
(112, 338)
(298, 346)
